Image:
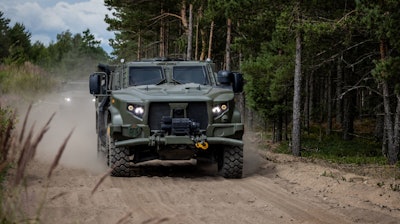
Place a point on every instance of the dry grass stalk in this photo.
(123, 219)
(148, 220)
(21, 137)
(23, 158)
(39, 138)
(165, 219)
(58, 195)
(29, 148)
(101, 180)
(59, 154)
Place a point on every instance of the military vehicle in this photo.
(164, 109)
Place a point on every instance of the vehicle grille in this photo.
(195, 111)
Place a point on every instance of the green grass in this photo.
(25, 80)
(332, 148)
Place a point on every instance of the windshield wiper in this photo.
(162, 81)
(148, 82)
(176, 81)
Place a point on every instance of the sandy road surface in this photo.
(275, 188)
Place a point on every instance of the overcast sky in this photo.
(44, 19)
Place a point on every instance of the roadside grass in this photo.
(361, 155)
(26, 81)
(333, 149)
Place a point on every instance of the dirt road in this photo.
(275, 188)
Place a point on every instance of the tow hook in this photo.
(202, 145)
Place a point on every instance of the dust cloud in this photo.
(74, 110)
(252, 160)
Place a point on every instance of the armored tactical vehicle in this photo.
(165, 109)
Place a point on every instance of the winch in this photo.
(179, 126)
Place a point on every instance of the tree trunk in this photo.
(388, 122)
(185, 24)
(203, 45)
(296, 130)
(279, 128)
(210, 39)
(329, 105)
(183, 16)
(393, 154)
(348, 107)
(339, 89)
(311, 103)
(348, 117)
(162, 36)
(200, 36)
(323, 100)
(139, 44)
(190, 34)
(391, 130)
(306, 102)
(274, 132)
(228, 45)
(166, 39)
(196, 51)
(286, 119)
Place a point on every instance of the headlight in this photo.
(136, 110)
(219, 110)
(67, 99)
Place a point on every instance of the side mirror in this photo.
(237, 82)
(231, 79)
(95, 83)
(224, 78)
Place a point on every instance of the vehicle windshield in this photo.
(149, 75)
(190, 74)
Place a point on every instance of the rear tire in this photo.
(118, 160)
(230, 163)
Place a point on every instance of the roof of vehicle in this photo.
(166, 62)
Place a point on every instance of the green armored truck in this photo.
(164, 109)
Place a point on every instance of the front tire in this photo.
(118, 160)
(230, 163)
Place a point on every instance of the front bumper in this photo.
(216, 134)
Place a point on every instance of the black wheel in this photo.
(230, 163)
(118, 160)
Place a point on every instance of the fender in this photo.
(115, 116)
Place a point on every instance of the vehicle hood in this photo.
(173, 92)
